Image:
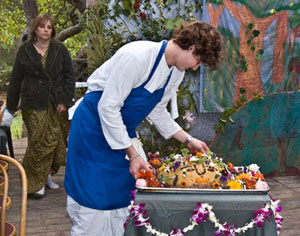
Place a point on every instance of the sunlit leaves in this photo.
(12, 23)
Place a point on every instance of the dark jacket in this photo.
(38, 87)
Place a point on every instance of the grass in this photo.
(17, 127)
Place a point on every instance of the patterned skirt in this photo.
(47, 141)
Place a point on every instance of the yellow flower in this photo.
(272, 11)
(162, 167)
(216, 185)
(291, 4)
(243, 176)
(230, 166)
(234, 185)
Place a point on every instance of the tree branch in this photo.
(69, 32)
(79, 4)
(18, 4)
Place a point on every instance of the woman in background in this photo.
(43, 79)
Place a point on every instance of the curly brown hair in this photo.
(39, 20)
(206, 38)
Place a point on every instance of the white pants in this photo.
(91, 222)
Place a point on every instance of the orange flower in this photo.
(149, 177)
(182, 184)
(259, 175)
(154, 162)
(250, 183)
(202, 180)
(230, 166)
(199, 154)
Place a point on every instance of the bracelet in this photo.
(135, 156)
(188, 140)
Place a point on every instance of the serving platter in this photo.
(203, 191)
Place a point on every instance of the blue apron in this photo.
(97, 176)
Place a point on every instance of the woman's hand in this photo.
(61, 108)
(136, 164)
(196, 145)
(193, 144)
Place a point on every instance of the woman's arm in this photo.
(192, 143)
(136, 161)
(123, 78)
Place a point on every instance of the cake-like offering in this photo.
(197, 170)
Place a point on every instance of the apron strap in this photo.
(168, 79)
(157, 60)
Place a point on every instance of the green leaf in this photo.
(256, 33)
(127, 5)
(250, 26)
(223, 130)
(242, 90)
(243, 98)
(222, 120)
(231, 120)
(261, 51)
(258, 56)
(170, 24)
(178, 21)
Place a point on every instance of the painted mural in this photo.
(262, 56)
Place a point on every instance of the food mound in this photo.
(197, 170)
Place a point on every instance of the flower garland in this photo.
(202, 213)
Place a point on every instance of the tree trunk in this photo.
(250, 79)
(214, 15)
(31, 11)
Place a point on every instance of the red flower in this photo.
(143, 15)
(136, 5)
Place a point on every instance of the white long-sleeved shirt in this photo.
(129, 68)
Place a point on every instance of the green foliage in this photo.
(13, 22)
(112, 25)
(5, 71)
(294, 20)
(6, 62)
(17, 127)
(76, 43)
(103, 41)
(226, 116)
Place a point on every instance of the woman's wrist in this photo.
(134, 157)
(188, 139)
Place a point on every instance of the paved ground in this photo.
(48, 217)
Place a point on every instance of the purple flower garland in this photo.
(202, 213)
